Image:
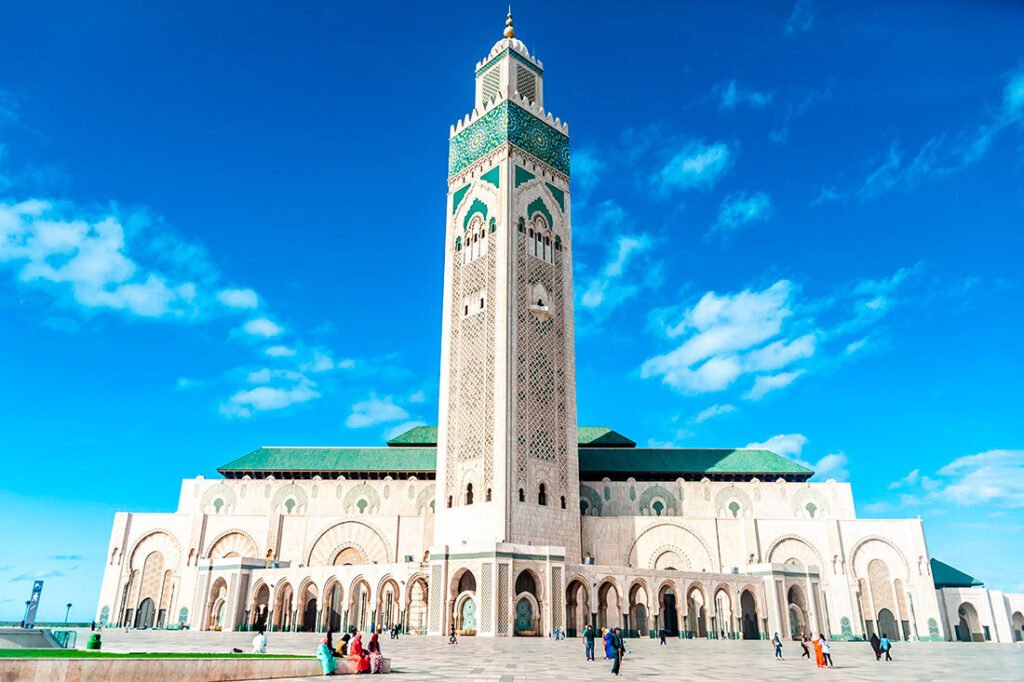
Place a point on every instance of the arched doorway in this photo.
(969, 627)
(1018, 627)
(749, 616)
(359, 615)
(387, 604)
(669, 610)
(308, 600)
(333, 606)
(144, 616)
(218, 604)
(697, 613)
(416, 610)
(577, 607)
(723, 614)
(527, 615)
(260, 609)
(283, 607)
(464, 607)
(796, 606)
(608, 605)
(638, 611)
(887, 624)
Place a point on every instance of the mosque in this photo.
(509, 519)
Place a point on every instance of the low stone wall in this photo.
(152, 669)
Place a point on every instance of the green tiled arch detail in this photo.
(523, 175)
(457, 197)
(476, 207)
(593, 499)
(508, 122)
(558, 194)
(538, 206)
(658, 491)
(493, 176)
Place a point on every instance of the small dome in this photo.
(514, 43)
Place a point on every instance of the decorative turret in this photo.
(509, 70)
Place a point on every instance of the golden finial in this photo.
(510, 32)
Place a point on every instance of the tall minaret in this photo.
(507, 464)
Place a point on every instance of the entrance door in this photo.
(524, 615)
(887, 624)
(144, 618)
(668, 614)
(309, 618)
(469, 615)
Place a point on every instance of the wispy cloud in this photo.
(994, 478)
(945, 154)
(245, 299)
(285, 391)
(373, 411)
(801, 19)
(712, 412)
(67, 557)
(791, 446)
(742, 209)
(730, 95)
(698, 165)
(262, 326)
(766, 383)
(619, 279)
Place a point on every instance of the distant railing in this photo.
(66, 638)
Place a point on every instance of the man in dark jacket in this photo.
(619, 646)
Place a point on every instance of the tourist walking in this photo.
(451, 635)
(826, 650)
(876, 646)
(805, 645)
(326, 656)
(777, 643)
(588, 642)
(609, 651)
(886, 646)
(376, 657)
(663, 635)
(620, 650)
(259, 643)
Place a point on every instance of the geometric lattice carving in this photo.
(503, 599)
(436, 596)
(348, 534)
(557, 612)
(486, 618)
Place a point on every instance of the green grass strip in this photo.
(87, 653)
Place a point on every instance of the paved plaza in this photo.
(523, 660)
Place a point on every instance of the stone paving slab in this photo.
(526, 660)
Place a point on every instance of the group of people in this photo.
(822, 650)
(350, 646)
(881, 646)
(614, 645)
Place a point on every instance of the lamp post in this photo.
(67, 613)
(24, 621)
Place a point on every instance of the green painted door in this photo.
(469, 615)
(524, 615)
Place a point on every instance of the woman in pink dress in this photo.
(376, 657)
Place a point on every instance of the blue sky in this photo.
(795, 224)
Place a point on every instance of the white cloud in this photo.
(697, 166)
(266, 398)
(740, 209)
(832, 466)
(995, 476)
(713, 411)
(280, 352)
(373, 411)
(262, 326)
(727, 336)
(857, 346)
(612, 286)
(730, 95)
(827, 195)
(908, 481)
(418, 397)
(766, 383)
(239, 298)
(786, 444)
(801, 18)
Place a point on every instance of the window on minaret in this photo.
(563, 501)
(522, 495)
(449, 501)
(487, 498)
(469, 493)
(542, 496)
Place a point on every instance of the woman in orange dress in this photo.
(358, 655)
(818, 654)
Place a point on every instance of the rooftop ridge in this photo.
(509, 44)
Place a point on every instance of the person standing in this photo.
(259, 643)
(451, 635)
(886, 646)
(620, 650)
(609, 651)
(588, 642)
(777, 643)
(819, 656)
(826, 650)
(663, 635)
(876, 646)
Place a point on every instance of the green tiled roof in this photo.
(417, 459)
(601, 460)
(602, 436)
(416, 436)
(687, 460)
(944, 575)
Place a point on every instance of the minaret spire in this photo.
(510, 31)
